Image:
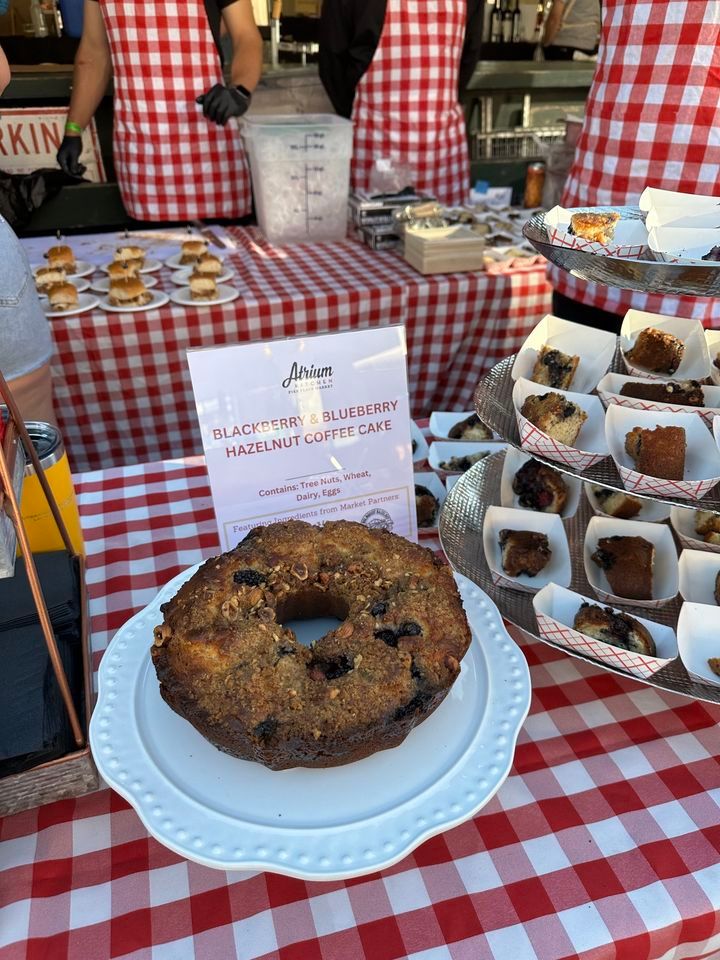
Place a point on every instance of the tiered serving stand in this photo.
(461, 521)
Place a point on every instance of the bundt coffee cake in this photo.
(228, 665)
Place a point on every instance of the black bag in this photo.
(22, 193)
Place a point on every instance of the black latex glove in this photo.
(220, 103)
(68, 156)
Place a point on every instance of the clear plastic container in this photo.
(300, 168)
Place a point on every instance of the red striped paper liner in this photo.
(533, 439)
(684, 489)
(708, 414)
(616, 601)
(562, 238)
(500, 581)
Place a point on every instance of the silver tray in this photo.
(493, 403)
(646, 276)
(460, 530)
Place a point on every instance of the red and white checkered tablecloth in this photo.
(122, 383)
(602, 844)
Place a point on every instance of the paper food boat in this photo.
(555, 610)
(558, 569)
(665, 579)
(696, 360)
(595, 348)
(651, 511)
(514, 459)
(698, 572)
(682, 520)
(441, 451)
(442, 422)
(421, 446)
(698, 635)
(436, 487)
(629, 239)
(653, 198)
(684, 244)
(712, 340)
(612, 383)
(591, 439)
(702, 457)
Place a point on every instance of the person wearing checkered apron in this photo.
(652, 119)
(397, 68)
(175, 156)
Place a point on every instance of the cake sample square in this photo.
(659, 452)
(616, 503)
(628, 565)
(539, 487)
(687, 393)
(618, 629)
(554, 368)
(589, 225)
(657, 351)
(524, 552)
(555, 415)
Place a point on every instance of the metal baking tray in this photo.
(460, 530)
(493, 403)
(646, 276)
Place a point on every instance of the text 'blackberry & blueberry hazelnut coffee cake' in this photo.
(228, 665)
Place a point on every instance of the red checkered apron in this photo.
(171, 163)
(652, 119)
(406, 105)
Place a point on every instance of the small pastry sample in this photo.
(461, 464)
(209, 265)
(594, 226)
(192, 250)
(559, 418)
(61, 257)
(45, 277)
(202, 287)
(688, 393)
(659, 452)
(122, 268)
(616, 503)
(716, 361)
(714, 664)
(713, 254)
(716, 591)
(471, 428)
(554, 368)
(618, 629)
(628, 565)
(62, 297)
(131, 255)
(426, 506)
(128, 292)
(657, 351)
(707, 524)
(524, 552)
(539, 487)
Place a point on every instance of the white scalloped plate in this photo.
(326, 824)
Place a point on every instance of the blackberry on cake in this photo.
(555, 415)
(524, 552)
(616, 503)
(687, 393)
(539, 487)
(659, 452)
(657, 351)
(617, 629)
(628, 564)
(471, 428)
(554, 368)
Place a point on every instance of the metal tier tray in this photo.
(647, 276)
(461, 536)
(493, 403)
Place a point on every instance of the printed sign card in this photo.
(314, 428)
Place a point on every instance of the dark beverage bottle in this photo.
(516, 23)
(496, 23)
(507, 22)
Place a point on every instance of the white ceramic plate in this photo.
(181, 277)
(80, 285)
(158, 299)
(150, 266)
(310, 823)
(102, 284)
(82, 269)
(86, 301)
(225, 295)
(174, 261)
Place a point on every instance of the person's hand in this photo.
(68, 156)
(220, 103)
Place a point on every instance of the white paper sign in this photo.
(314, 428)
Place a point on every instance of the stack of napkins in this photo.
(34, 726)
(452, 249)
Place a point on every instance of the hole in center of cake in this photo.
(311, 614)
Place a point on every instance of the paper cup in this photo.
(421, 445)
(441, 451)
(442, 422)
(595, 348)
(651, 511)
(558, 569)
(682, 520)
(629, 239)
(698, 635)
(612, 383)
(695, 364)
(671, 244)
(712, 339)
(665, 579)
(555, 610)
(514, 459)
(702, 457)
(592, 445)
(698, 571)
(436, 487)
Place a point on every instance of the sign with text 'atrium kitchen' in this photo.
(313, 428)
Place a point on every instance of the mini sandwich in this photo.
(62, 296)
(192, 250)
(45, 277)
(202, 287)
(130, 255)
(209, 265)
(128, 292)
(62, 257)
(120, 269)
